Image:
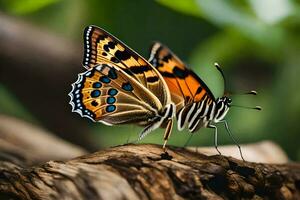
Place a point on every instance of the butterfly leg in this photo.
(233, 138)
(216, 136)
(167, 134)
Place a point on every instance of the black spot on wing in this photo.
(199, 90)
(106, 48)
(152, 79)
(180, 73)
(114, 59)
(140, 69)
(128, 72)
(94, 103)
(112, 73)
(167, 74)
(167, 58)
(160, 64)
(122, 55)
(109, 45)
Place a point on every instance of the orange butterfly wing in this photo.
(100, 47)
(185, 86)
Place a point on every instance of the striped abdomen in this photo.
(201, 114)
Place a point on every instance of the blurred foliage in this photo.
(10, 105)
(257, 43)
(25, 6)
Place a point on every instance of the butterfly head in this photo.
(225, 100)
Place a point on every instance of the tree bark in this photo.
(144, 172)
(136, 171)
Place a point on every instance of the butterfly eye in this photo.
(229, 101)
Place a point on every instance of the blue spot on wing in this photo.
(127, 86)
(111, 100)
(77, 96)
(112, 73)
(110, 108)
(95, 93)
(97, 85)
(112, 91)
(104, 79)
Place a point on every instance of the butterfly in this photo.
(120, 87)
(196, 106)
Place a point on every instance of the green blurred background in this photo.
(257, 43)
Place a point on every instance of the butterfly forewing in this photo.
(103, 48)
(107, 94)
(185, 86)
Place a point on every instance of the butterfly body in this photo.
(196, 106)
(202, 114)
(120, 86)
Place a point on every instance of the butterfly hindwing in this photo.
(185, 86)
(100, 47)
(107, 94)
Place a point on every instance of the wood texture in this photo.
(134, 171)
(143, 172)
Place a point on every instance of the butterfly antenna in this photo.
(222, 73)
(252, 92)
(246, 107)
